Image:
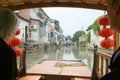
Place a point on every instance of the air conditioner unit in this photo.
(33, 27)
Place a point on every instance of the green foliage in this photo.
(88, 37)
(77, 34)
(95, 26)
(69, 37)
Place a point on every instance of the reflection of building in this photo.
(82, 40)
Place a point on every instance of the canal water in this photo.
(64, 53)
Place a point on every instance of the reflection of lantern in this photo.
(18, 52)
(107, 43)
(17, 32)
(104, 21)
(14, 42)
(106, 32)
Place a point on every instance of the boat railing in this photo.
(22, 67)
(100, 64)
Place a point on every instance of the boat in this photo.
(98, 70)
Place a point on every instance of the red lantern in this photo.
(104, 21)
(107, 43)
(18, 52)
(106, 32)
(17, 32)
(14, 42)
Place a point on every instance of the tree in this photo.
(69, 37)
(77, 34)
(95, 27)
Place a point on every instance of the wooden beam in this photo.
(116, 38)
(59, 4)
(70, 0)
(9, 3)
(84, 1)
(53, 0)
(26, 1)
(106, 56)
(39, 1)
(6, 2)
(102, 1)
(30, 77)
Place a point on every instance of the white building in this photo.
(23, 25)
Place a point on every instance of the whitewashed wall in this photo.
(22, 24)
(35, 33)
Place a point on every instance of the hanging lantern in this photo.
(18, 52)
(14, 42)
(18, 31)
(106, 32)
(107, 43)
(104, 21)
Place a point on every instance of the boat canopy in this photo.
(23, 4)
(105, 5)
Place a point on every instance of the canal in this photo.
(64, 53)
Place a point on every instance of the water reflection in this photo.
(64, 53)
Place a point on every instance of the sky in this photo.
(73, 19)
